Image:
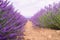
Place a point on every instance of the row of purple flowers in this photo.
(11, 22)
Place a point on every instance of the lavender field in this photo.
(44, 25)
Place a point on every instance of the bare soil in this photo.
(36, 33)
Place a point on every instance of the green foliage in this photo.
(50, 20)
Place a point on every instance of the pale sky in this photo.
(28, 8)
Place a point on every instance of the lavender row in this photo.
(48, 17)
(11, 22)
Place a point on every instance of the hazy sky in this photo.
(30, 7)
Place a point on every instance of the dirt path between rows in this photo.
(32, 33)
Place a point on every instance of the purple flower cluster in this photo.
(11, 22)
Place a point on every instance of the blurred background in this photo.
(30, 7)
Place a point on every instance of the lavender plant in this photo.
(50, 18)
(11, 22)
(35, 18)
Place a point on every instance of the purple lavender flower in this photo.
(11, 22)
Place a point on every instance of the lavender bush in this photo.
(11, 22)
(35, 18)
(49, 18)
